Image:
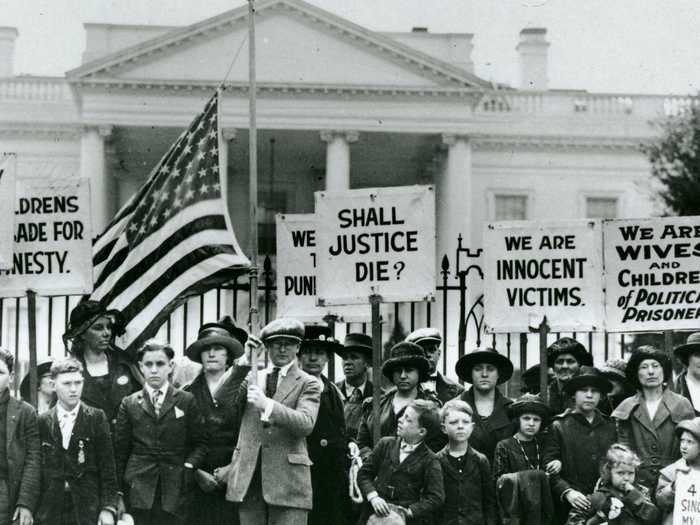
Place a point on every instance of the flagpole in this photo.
(253, 168)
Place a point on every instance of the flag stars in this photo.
(177, 202)
(214, 151)
(204, 189)
(200, 155)
(212, 134)
(202, 172)
(189, 195)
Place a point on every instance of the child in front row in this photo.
(617, 499)
(689, 433)
(402, 475)
(470, 494)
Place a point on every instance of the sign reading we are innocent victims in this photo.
(652, 274)
(52, 248)
(376, 242)
(534, 269)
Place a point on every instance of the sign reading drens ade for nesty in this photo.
(52, 252)
(652, 274)
(376, 242)
(296, 273)
(534, 269)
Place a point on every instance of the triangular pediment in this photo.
(296, 43)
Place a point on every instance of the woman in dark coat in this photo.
(485, 369)
(406, 368)
(646, 422)
(217, 391)
(110, 374)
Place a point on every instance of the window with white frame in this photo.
(601, 207)
(510, 207)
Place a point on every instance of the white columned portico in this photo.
(338, 157)
(453, 193)
(94, 168)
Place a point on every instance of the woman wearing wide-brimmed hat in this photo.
(45, 391)
(218, 394)
(406, 368)
(688, 382)
(110, 374)
(485, 370)
(647, 421)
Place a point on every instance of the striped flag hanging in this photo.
(173, 239)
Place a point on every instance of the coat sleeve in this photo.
(501, 463)
(488, 492)
(665, 491)
(554, 451)
(197, 435)
(29, 487)
(105, 463)
(122, 441)
(624, 435)
(364, 434)
(370, 467)
(433, 491)
(299, 421)
(641, 506)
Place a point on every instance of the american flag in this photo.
(173, 239)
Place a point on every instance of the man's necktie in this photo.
(65, 436)
(355, 397)
(271, 382)
(156, 402)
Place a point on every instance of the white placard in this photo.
(296, 273)
(8, 168)
(652, 274)
(377, 241)
(52, 250)
(686, 507)
(534, 269)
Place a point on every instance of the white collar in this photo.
(163, 390)
(407, 447)
(350, 389)
(61, 412)
(283, 369)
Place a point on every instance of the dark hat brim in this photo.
(118, 323)
(518, 408)
(689, 425)
(684, 351)
(41, 370)
(466, 363)
(585, 380)
(582, 356)
(364, 350)
(282, 336)
(632, 369)
(233, 346)
(420, 363)
(330, 347)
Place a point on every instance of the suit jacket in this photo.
(152, 449)
(87, 466)
(280, 443)
(353, 411)
(446, 388)
(23, 454)
(416, 483)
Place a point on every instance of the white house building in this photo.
(339, 106)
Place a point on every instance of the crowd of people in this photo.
(116, 438)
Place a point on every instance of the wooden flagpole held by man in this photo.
(253, 196)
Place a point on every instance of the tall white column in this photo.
(94, 168)
(338, 158)
(454, 193)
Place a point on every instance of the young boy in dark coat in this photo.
(402, 475)
(20, 457)
(578, 442)
(470, 494)
(78, 478)
(160, 440)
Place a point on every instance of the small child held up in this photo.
(617, 499)
(402, 475)
(689, 434)
(470, 496)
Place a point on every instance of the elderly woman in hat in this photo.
(406, 368)
(218, 394)
(485, 370)
(110, 374)
(646, 422)
(688, 382)
(565, 357)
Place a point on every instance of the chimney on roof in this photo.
(532, 51)
(419, 30)
(8, 35)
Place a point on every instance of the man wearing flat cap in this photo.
(688, 382)
(356, 353)
(565, 356)
(429, 339)
(270, 474)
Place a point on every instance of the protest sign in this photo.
(296, 273)
(652, 274)
(8, 164)
(534, 269)
(52, 252)
(686, 507)
(376, 242)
